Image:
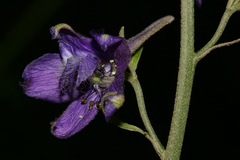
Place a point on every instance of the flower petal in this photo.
(77, 70)
(68, 78)
(41, 79)
(72, 43)
(112, 103)
(117, 49)
(105, 40)
(87, 68)
(122, 57)
(76, 117)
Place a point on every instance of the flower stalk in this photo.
(231, 8)
(222, 25)
(184, 84)
(132, 78)
(187, 63)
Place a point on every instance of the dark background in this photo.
(213, 124)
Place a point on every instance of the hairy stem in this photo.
(222, 25)
(133, 128)
(217, 46)
(143, 113)
(184, 84)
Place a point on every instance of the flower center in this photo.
(104, 75)
(102, 78)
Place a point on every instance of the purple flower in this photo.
(88, 72)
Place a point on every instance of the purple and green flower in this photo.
(88, 72)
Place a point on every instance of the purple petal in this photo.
(75, 117)
(112, 103)
(72, 43)
(118, 50)
(77, 70)
(86, 68)
(68, 78)
(109, 110)
(41, 79)
(104, 40)
(122, 56)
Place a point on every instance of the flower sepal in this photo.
(111, 102)
(117, 100)
(55, 30)
(135, 59)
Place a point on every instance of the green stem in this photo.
(222, 25)
(132, 78)
(184, 84)
(133, 128)
(217, 46)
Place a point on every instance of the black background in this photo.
(213, 124)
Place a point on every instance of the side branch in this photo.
(221, 27)
(132, 78)
(215, 47)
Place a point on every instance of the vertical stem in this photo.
(184, 84)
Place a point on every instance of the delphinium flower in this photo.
(89, 72)
(85, 71)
